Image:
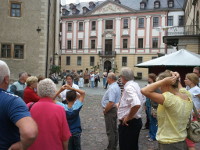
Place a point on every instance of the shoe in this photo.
(147, 136)
(150, 140)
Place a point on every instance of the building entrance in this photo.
(107, 66)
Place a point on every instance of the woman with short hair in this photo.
(192, 80)
(175, 106)
(30, 94)
(53, 128)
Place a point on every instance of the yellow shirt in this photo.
(173, 117)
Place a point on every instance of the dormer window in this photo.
(157, 4)
(142, 5)
(65, 12)
(85, 10)
(91, 5)
(170, 3)
(72, 6)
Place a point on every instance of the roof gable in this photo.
(110, 7)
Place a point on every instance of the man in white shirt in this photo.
(69, 80)
(129, 112)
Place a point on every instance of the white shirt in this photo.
(194, 92)
(92, 77)
(131, 97)
(63, 93)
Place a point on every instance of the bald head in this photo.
(111, 78)
(4, 74)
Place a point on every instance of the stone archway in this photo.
(107, 65)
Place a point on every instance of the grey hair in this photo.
(127, 73)
(4, 71)
(46, 88)
(22, 74)
(112, 76)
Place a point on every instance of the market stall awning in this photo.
(180, 58)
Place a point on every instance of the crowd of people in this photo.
(34, 115)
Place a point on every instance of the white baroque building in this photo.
(110, 35)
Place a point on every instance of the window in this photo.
(171, 3)
(170, 21)
(139, 75)
(93, 44)
(139, 60)
(155, 42)
(140, 43)
(68, 60)
(6, 51)
(109, 24)
(92, 61)
(79, 58)
(124, 61)
(80, 26)
(69, 27)
(142, 5)
(156, 4)
(15, 10)
(154, 57)
(181, 20)
(141, 23)
(69, 44)
(155, 21)
(19, 51)
(80, 44)
(125, 43)
(125, 23)
(93, 25)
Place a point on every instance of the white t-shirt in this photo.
(194, 92)
(63, 93)
(92, 77)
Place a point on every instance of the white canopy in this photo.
(180, 58)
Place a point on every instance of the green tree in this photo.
(55, 69)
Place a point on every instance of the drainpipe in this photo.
(47, 50)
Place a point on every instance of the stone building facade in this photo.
(110, 35)
(187, 36)
(29, 35)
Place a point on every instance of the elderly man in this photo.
(129, 112)
(18, 87)
(109, 101)
(17, 129)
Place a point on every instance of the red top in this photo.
(52, 125)
(30, 95)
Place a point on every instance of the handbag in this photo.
(193, 128)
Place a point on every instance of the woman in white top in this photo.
(192, 80)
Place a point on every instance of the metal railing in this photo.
(107, 53)
(183, 30)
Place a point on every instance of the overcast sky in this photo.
(75, 1)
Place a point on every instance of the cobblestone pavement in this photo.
(93, 125)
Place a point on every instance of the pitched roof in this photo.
(180, 58)
(131, 4)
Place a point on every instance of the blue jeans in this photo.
(153, 127)
(104, 82)
(75, 142)
(92, 84)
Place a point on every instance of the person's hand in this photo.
(68, 87)
(175, 74)
(16, 146)
(62, 88)
(170, 80)
(125, 120)
(104, 112)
